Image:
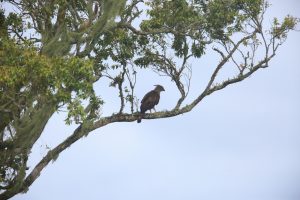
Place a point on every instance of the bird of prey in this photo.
(150, 100)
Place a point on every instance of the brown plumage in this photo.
(150, 100)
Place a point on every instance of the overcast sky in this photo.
(242, 143)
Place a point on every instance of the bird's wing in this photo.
(148, 96)
(156, 98)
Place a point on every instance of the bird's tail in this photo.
(140, 117)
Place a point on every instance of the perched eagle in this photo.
(150, 100)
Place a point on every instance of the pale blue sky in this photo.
(242, 143)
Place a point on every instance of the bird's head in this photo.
(159, 88)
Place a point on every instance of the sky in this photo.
(240, 143)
